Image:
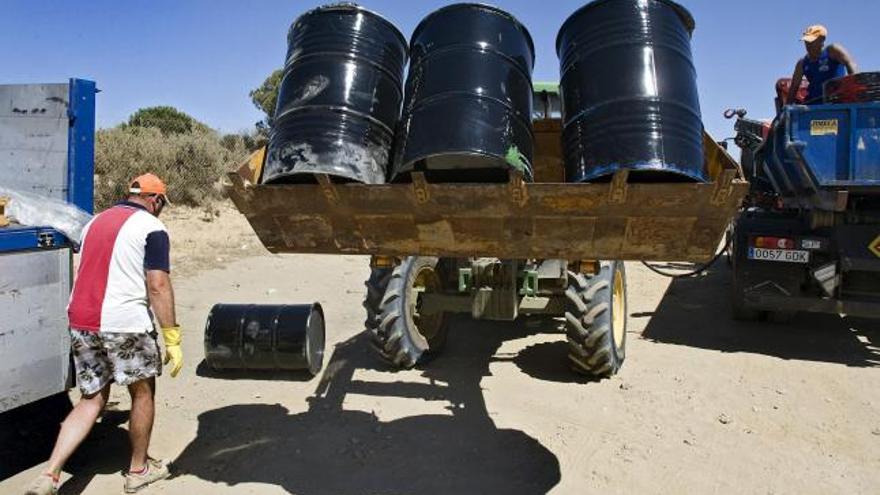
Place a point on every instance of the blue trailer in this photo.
(46, 149)
(808, 235)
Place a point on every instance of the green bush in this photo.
(190, 163)
(167, 119)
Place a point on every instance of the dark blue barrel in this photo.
(340, 98)
(629, 92)
(265, 337)
(467, 113)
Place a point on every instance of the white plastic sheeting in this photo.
(39, 211)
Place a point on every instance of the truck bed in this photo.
(817, 155)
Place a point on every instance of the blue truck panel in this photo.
(81, 145)
(866, 145)
(828, 146)
(22, 238)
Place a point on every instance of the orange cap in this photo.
(148, 184)
(814, 32)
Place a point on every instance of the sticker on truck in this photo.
(874, 247)
(783, 255)
(823, 127)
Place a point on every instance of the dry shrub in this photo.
(190, 163)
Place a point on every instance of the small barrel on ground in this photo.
(629, 93)
(265, 337)
(467, 112)
(340, 98)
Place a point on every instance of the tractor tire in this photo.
(376, 285)
(403, 337)
(595, 320)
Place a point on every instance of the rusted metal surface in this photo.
(547, 162)
(616, 220)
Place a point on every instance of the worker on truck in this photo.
(820, 65)
(124, 271)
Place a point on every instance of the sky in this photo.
(204, 56)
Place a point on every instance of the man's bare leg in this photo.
(140, 423)
(76, 428)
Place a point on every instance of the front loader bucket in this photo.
(513, 220)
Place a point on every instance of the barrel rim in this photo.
(409, 165)
(439, 97)
(341, 110)
(483, 6)
(683, 13)
(315, 307)
(353, 7)
(350, 57)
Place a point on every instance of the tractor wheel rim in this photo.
(618, 310)
(428, 325)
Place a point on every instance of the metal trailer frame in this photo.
(50, 128)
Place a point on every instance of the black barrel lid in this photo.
(689, 23)
(351, 7)
(482, 6)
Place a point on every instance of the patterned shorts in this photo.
(104, 357)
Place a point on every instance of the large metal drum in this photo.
(467, 113)
(265, 337)
(629, 92)
(340, 98)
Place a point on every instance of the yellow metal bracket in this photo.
(518, 192)
(723, 187)
(3, 220)
(420, 187)
(617, 190)
(328, 188)
(383, 261)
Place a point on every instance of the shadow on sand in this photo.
(696, 312)
(331, 450)
(29, 432)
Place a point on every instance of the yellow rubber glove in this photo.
(173, 353)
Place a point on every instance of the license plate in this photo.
(784, 255)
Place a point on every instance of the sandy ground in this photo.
(702, 405)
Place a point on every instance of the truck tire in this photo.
(781, 317)
(738, 294)
(740, 311)
(403, 337)
(595, 320)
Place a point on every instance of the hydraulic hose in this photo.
(702, 268)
